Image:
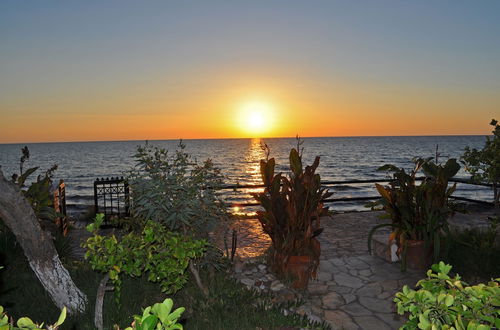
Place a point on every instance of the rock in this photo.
(332, 300)
(344, 279)
(238, 267)
(247, 281)
(276, 285)
(262, 267)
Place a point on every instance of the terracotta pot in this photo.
(299, 268)
(417, 256)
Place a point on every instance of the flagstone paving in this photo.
(353, 290)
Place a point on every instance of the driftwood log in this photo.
(18, 215)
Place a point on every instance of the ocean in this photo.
(342, 158)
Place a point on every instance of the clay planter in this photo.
(417, 256)
(299, 269)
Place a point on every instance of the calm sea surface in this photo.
(342, 158)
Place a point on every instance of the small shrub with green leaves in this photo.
(25, 323)
(38, 192)
(484, 164)
(176, 191)
(155, 251)
(443, 302)
(158, 317)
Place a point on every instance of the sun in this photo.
(256, 118)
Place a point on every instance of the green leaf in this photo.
(149, 323)
(62, 317)
(26, 322)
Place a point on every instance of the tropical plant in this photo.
(38, 193)
(418, 212)
(484, 164)
(445, 302)
(158, 317)
(163, 255)
(25, 323)
(176, 191)
(292, 209)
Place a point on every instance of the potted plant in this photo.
(291, 217)
(419, 213)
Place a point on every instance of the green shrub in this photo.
(155, 251)
(474, 252)
(158, 317)
(25, 323)
(176, 191)
(443, 302)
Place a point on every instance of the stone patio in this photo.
(353, 289)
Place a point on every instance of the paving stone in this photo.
(337, 262)
(355, 309)
(357, 263)
(326, 266)
(392, 319)
(317, 288)
(342, 289)
(371, 323)
(340, 320)
(333, 300)
(353, 272)
(376, 305)
(385, 295)
(348, 280)
(323, 276)
(370, 290)
(365, 272)
(349, 298)
(390, 285)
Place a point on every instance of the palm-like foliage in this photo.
(418, 212)
(292, 208)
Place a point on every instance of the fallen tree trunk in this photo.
(38, 248)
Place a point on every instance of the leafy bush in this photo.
(158, 317)
(176, 191)
(25, 323)
(292, 209)
(443, 302)
(474, 252)
(155, 251)
(417, 212)
(484, 164)
(38, 192)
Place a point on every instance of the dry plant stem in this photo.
(197, 278)
(99, 302)
(38, 248)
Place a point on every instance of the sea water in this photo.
(342, 158)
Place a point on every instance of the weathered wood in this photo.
(99, 303)
(39, 249)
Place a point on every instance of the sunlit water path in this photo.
(342, 158)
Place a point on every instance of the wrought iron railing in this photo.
(111, 197)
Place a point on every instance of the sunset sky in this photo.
(127, 70)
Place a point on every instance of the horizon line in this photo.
(245, 138)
